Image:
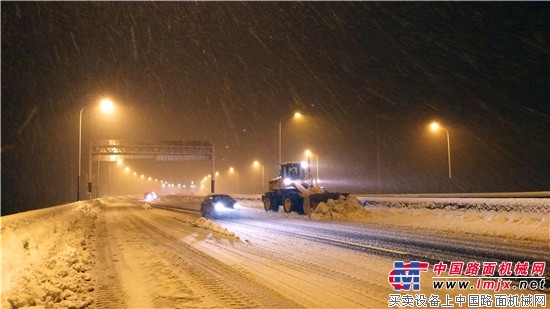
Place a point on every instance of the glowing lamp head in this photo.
(434, 126)
(107, 106)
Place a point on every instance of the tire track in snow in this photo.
(142, 278)
(344, 284)
(108, 291)
(220, 283)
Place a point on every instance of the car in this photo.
(213, 205)
(150, 196)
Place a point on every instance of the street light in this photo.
(296, 116)
(434, 126)
(106, 106)
(258, 164)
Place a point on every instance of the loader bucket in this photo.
(307, 206)
(311, 201)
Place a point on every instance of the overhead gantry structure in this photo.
(114, 150)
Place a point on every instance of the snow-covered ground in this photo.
(48, 256)
(45, 256)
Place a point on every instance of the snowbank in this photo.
(527, 219)
(342, 208)
(50, 254)
(211, 226)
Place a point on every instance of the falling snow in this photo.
(368, 76)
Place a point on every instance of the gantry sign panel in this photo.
(113, 150)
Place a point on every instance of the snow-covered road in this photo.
(120, 252)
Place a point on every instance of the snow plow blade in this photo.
(311, 201)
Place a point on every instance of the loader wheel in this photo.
(270, 204)
(287, 205)
(267, 204)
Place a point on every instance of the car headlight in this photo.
(219, 206)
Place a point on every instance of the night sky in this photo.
(369, 77)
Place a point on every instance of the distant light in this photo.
(308, 153)
(434, 126)
(297, 115)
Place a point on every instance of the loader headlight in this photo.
(287, 181)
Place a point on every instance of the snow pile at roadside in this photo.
(211, 226)
(49, 257)
(518, 225)
(342, 208)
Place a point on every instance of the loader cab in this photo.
(293, 172)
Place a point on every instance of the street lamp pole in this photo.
(308, 154)
(435, 126)
(317, 167)
(296, 115)
(258, 164)
(79, 154)
(234, 171)
(107, 106)
(449, 154)
(280, 152)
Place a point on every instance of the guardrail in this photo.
(531, 194)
